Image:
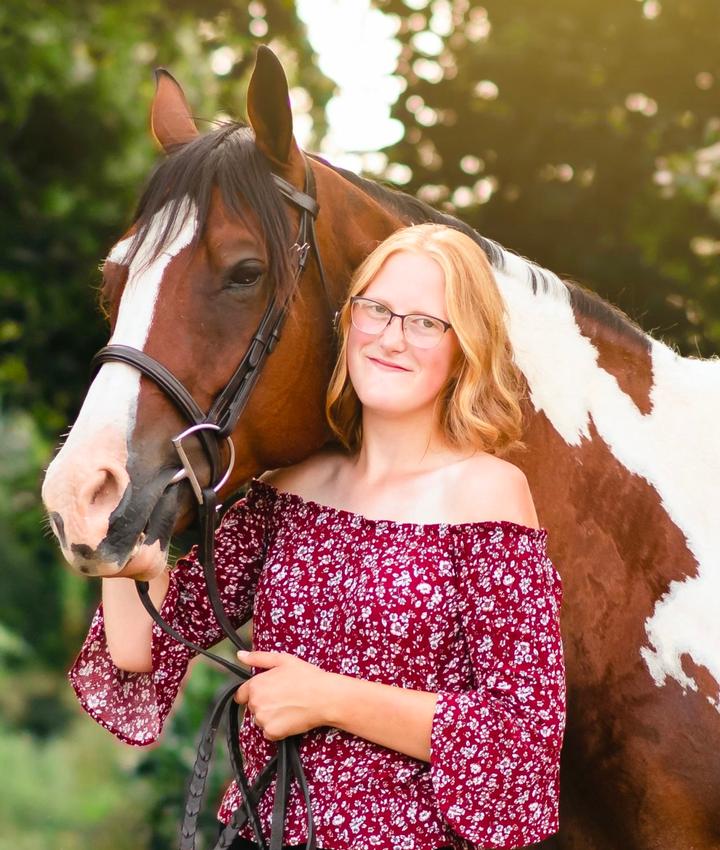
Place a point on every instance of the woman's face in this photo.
(406, 283)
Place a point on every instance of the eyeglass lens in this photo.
(372, 318)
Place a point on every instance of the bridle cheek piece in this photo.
(211, 429)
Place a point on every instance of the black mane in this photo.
(227, 158)
(412, 210)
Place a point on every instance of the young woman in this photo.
(405, 610)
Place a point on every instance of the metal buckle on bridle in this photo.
(188, 472)
(302, 254)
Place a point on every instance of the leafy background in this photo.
(584, 136)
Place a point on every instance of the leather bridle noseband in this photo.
(211, 428)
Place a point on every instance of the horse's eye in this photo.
(243, 275)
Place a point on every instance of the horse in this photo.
(623, 454)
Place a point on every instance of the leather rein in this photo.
(213, 428)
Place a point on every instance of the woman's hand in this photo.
(289, 697)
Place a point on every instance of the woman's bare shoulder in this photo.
(309, 474)
(496, 488)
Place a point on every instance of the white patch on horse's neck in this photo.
(113, 396)
(675, 448)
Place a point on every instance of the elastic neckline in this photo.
(297, 499)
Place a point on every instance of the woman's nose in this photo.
(393, 334)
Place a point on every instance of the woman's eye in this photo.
(243, 276)
(425, 323)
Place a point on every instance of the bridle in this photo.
(212, 428)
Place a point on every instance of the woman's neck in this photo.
(400, 447)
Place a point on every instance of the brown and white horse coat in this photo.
(624, 465)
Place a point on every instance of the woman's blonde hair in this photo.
(480, 402)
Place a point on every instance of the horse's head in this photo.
(188, 285)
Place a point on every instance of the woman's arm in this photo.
(394, 717)
(128, 626)
(129, 671)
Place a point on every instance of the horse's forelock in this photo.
(226, 158)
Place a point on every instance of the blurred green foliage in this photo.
(76, 82)
(32, 602)
(73, 792)
(585, 136)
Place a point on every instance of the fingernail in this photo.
(242, 653)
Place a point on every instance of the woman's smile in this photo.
(382, 364)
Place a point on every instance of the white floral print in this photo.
(470, 611)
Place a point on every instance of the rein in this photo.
(212, 428)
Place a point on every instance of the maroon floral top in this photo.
(467, 610)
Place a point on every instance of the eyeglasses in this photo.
(372, 317)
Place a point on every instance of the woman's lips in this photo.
(383, 365)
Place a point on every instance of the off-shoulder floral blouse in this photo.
(468, 610)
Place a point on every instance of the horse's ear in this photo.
(170, 119)
(268, 106)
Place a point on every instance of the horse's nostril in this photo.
(103, 489)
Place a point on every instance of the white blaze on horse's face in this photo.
(675, 448)
(87, 479)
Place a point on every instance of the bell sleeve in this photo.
(134, 706)
(495, 748)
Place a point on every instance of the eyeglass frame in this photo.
(355, 298)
